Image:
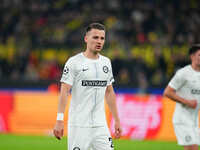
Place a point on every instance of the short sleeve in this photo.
(68, 73)
(110, 77)
(178, 80)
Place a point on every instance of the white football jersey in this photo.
(89, 79)
(186, 82)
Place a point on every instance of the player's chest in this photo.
(193, 83)
(93, 71)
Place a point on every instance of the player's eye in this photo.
(95, 37)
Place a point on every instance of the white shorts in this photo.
(83, 138)
(187, 135)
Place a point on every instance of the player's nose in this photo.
(99, 41)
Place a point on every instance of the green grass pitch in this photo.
(16, 142)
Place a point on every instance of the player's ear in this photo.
(191, 56)
(85, 38)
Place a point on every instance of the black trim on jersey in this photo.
(100, 83)
(112, 78)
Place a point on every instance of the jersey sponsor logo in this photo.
(195, 91)
(105, 69)
(100, 83)
(76, 148)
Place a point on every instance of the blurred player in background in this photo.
(184, 89)
(89, 76)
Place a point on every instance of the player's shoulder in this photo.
(184, 70)
(104, 58)
(74, 59)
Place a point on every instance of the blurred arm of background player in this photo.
(64, 93)
(171, 93)
(111, 101)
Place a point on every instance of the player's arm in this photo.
(171, 94)
(59, 126)
(111, 101)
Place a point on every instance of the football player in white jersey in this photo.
(184, 89)
(89, 77)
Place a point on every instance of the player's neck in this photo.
(91, 55)
(195, 67)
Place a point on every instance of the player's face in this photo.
(196, 58)
(95, 40)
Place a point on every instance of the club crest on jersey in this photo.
(66, 70)
(76, 148)
(105, 69)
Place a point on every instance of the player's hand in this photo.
(118, 130)
(191, 103)
(58, 130)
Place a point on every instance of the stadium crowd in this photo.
(146, 39)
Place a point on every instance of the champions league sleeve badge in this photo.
(65, 70)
